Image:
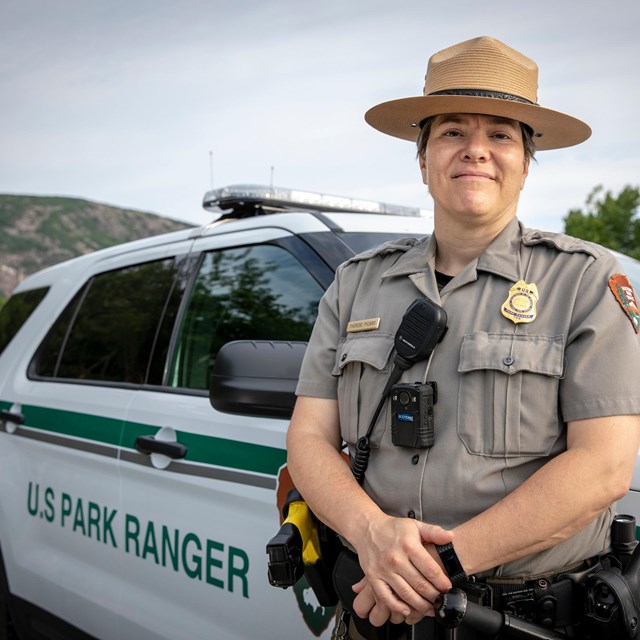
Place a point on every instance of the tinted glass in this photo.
(249, 293)
(110, 329)
(631, 268)
(362, 241)
(16, 311)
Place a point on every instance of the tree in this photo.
(608, 220)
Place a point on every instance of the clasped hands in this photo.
(402, 574)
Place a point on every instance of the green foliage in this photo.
(114, 333)
(608, 220)
(15, 312)
(235, 299)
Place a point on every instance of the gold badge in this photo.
(520, 305)
(370, 324)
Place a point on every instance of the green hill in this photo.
(39, 231)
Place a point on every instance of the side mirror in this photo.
(256, 377)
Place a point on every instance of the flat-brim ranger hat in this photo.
(483, 76)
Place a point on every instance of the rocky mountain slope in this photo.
(39, 231)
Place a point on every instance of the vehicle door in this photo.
(73, 384)
(200, 505)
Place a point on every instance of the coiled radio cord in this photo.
(360, 460)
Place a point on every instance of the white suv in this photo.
(130, 508)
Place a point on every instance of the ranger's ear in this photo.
(424, 168)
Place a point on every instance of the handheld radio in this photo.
(423, 325)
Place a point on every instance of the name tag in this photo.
(370, 324)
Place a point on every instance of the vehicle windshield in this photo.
(631, 267)
(361, 241)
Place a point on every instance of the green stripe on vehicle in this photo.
(202, 449)
(71, 423)
(221, 452)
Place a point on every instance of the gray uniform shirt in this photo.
(505, 391)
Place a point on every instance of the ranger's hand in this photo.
(402, 577)
(365, 605)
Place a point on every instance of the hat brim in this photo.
(552, 129)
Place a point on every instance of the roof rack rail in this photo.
(248, 200)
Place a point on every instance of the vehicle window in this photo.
(351, 243)
(16, 311)
(631, 268)
(112, 327)
(247, 293)
(361, 241)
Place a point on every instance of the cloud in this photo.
(123, 102)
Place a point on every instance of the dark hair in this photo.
(527, 137)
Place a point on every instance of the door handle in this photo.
(10, 416)
(149, 445)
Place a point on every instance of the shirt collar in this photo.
(498, 258)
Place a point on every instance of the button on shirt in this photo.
(505, 390)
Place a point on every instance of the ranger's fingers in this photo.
(379, 614)
(433, 580)
(415, 616)
(365, 600)
(366, 605)
(359, 586)
(400, 597)
(417, 592)
(407, 583)
(434, 534)
(385, 595)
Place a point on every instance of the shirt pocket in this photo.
(363, 366)
(508, 397)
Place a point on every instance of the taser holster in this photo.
(303, 546)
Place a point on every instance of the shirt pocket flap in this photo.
(372, 349)
(512, 353)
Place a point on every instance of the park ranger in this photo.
(535, 397)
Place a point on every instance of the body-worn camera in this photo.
(412, 421)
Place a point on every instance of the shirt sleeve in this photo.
(316, 379)
(602, 351)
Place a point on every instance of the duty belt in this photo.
(552, 600)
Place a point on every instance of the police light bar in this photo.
(279, 199)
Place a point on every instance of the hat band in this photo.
(482, 93)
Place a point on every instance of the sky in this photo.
(147, 104)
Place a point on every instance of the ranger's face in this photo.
(475, 167)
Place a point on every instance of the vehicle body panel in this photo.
(125, 544)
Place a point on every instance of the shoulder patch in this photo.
(393, 246)
(623, 291)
